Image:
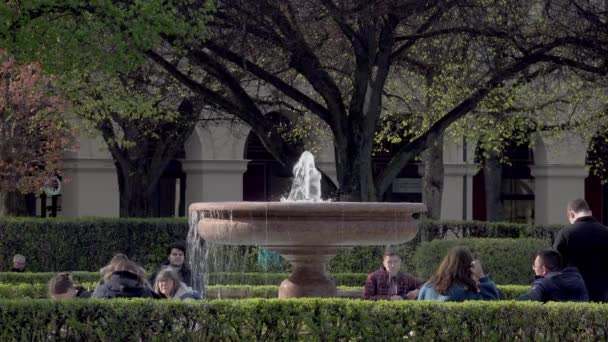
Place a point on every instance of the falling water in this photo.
(197, 254)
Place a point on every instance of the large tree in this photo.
(144, 119)
(33, 133)
(332, 59)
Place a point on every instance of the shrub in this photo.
(39, 291)
(508, 261)
(343, 279)
(60, 244)
(308, 319)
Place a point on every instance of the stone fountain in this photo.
(306, 231)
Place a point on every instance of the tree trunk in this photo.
(12, 204)
(432, 179)
(355, 176)
(492, 173)
(135, 192)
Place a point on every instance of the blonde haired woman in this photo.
(168, 285)
(124, 279)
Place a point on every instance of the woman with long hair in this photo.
(123, 279)
(459, 277)
(168, 285)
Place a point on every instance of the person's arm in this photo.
(487, 289)
(535, 293)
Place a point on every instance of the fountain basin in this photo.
(307, 234)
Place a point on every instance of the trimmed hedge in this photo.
(304, 320)
(436, 230)
(62, 244)
(341, 279)
(39, 291)
(508, 261)
(58, 244)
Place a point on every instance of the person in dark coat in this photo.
(127, 280)
(61, 286)
(389, 282)
(176, 259)
(584, 245)
(554, 283)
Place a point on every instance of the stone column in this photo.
(554, 187)
(90, 188)
(457, 199)
(559, 175)
(459, 169)
(214, 180)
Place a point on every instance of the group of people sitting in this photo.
(575, 269)
(123, 278)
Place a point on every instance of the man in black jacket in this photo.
(176, 259)
(584, 245)
(553, 283)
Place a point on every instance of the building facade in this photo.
(228, 163)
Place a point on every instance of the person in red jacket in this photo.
(389, 282)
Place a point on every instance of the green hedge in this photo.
(299, 320)
(508, 261)
(435, 230)
(57, 244)
(39, 291)
(86, 244)
(342, 279)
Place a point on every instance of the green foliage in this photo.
(40, 291)
(223, 278)
(306, 320)
(87, 244)
(507, 261)
(93, 35)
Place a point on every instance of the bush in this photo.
(429, 230)
(39, 291)
(86, 244)
(342, 279)
(308, 319)
(57, 244)
(508, 261)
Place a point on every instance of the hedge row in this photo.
(341, 279)
(304, 320)
(57, 244)
(39, 291)
(508, 261)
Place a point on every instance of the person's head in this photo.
(577, 208)
(167, 282)
(109, 268)
(455, 268)
(547, 260)
(61, 286)
(391, 261)
(126, 265)
(176, 254)
(19, 262)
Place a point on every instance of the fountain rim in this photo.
(308, 209)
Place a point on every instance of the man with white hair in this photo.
(584, 245)
(18, 263)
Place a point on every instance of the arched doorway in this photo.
(265, 179)
(516, 186)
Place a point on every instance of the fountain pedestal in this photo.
(308, 276)
(307, 234)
